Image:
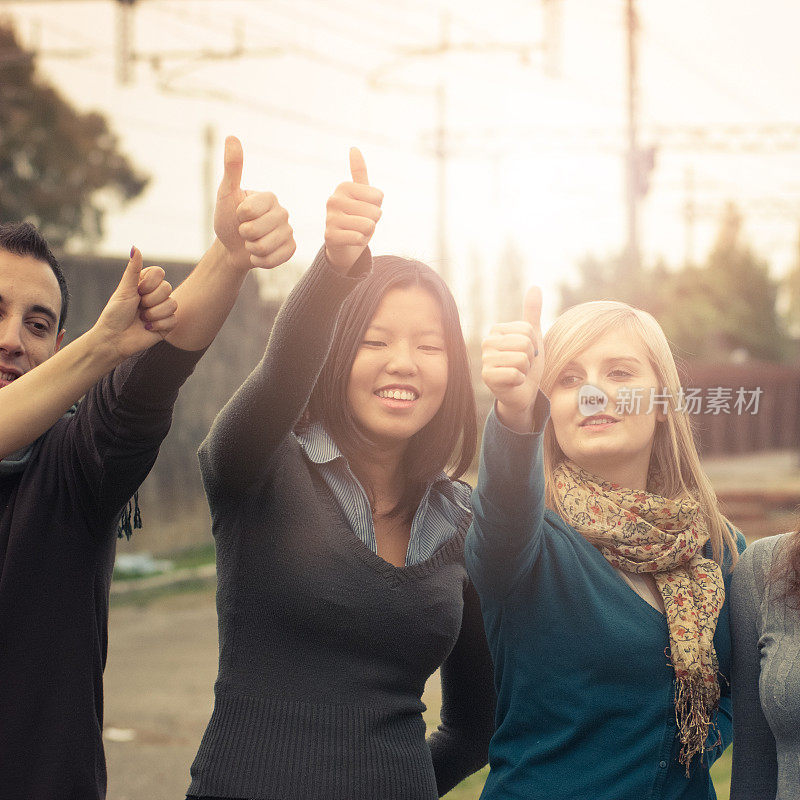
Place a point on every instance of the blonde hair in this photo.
(675, 469)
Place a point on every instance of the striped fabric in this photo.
(444, 506)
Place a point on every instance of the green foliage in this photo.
(711, 312)
(53, 158)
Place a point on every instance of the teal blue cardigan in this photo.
(584, 687)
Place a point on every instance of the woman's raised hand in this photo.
(253, 226)
(513, 362)
(353, 211)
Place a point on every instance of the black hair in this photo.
(450, 437)
(23, 239)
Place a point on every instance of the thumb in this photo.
(358, 167)
(234, 162)
(130, 278)
(532, 307)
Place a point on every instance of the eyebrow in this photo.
(37, 309)
(429, 332)
(609, 360)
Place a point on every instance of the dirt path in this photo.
(158, 694)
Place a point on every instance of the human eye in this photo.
(39, 327)
(568, 379)
(620, 372)
(432, 348)
(373, 343)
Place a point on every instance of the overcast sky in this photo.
(533, 158)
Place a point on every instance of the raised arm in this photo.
(267, 406)
(508, 502)
(252, 230)
(139, 314)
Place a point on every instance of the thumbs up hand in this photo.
(513, 362)
(140, 312)
(252, 226)
(353, 211)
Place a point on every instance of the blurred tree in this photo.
(724, 309)
(53, 158)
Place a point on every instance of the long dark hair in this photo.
(786, 569)
(449, 439)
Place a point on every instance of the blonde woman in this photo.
(602, 562)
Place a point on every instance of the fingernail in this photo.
(133, 249)
(148, 326)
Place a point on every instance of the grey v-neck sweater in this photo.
(765, 679)
(325, 648)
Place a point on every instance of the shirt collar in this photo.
(321, 449)
(318, 444)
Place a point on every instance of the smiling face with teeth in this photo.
(30, 304)
(399, 376)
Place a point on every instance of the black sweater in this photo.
(325, 648)
(58, 523)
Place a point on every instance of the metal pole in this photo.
(632, 156)
(124, 41)
(209, 187)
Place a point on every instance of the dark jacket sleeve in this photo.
(720, 736)
(236, 453)
(755, 762)
(113, 439)
(460, 745)
(504, 539)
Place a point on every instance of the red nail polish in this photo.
(133, 248)
(148, 326)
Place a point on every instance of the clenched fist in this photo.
(513, 362)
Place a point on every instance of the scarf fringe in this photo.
(695, 703)
(131, 518)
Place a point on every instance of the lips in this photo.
(598, 420)
(397, 392)
(7, 376)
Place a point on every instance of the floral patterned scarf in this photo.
(642, 532)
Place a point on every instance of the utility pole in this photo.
(124, 41)
(209, 188)
(441, 161)
(633, 256)
(690, 215)
(551, 50)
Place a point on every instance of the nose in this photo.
(401, 359)
(11, 337)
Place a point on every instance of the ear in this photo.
(59, 340)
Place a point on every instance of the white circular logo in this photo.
(591, 400)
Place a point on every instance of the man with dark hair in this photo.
(61, 496)
(22, 239)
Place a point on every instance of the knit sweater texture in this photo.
(765, 627)
(58, 522)
(325, 648)
(585, 707)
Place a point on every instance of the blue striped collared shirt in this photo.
(443, 508)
